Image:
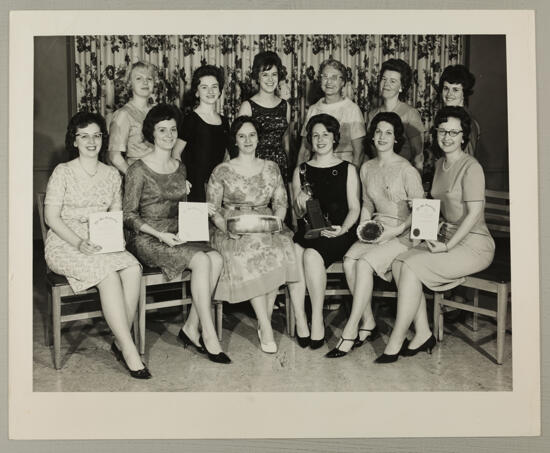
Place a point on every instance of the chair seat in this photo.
(496, 272)
(57, 281)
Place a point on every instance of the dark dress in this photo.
(152, 198)
(204, 150)
(273, 126)
(329, 186)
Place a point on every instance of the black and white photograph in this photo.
(353, 199)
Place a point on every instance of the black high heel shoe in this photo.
(390, 358)
(335, 353)
(427, 346)
(373, 335)
(220, 357)
(316, 344)
(304, 342)
(136, 374)
(188, 342)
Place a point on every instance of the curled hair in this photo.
(80, 121)
(398, 129)
(400, 66)
(331, 124)
(442, 116)
(458, 74)
(236, 127)
(207, 70)
(149, 67)
(335, 64)
(160, 112)
(264, 61)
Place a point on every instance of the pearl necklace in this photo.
(91, 175)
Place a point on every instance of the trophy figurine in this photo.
(315, 220)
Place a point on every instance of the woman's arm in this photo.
(357, 145)
(415, 135)
(214, 196)
(279, 199)
(119, 131)
(367, 210)
(116, 159)
(245, 109)
(300, 197)
(286, 137)
(178, 149)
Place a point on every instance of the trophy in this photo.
(314, 219)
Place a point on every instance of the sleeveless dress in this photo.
(258, 263)
(329, 186)
(273, 126)
(204, 150)
(77, 198)
(152, 198)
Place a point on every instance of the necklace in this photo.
(91, 175)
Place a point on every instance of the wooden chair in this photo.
(495, 279)
(62, 299)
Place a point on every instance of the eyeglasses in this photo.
(332, 78)
(88, 137)
(452, 133)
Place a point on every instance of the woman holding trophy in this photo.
(327, 192)
(388, 182)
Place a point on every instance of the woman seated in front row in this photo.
(388, 182)
(154, 186)
(465, 245)
(255, 265)
(76, 189)
(335, 184)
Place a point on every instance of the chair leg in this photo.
(292, 317)
(48, 327)
(219, 319)
(475, 326)
(56, 326)
(142, 304)
(287, 310)
(437, 315)
(502, 306)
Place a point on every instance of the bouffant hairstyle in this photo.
(264, 61)
(335, 64)
(400, 66)
(442, 116)
(398, 129)
(80, 121)
(458, 74)
(236, 127)
(207, 70)
(149, 67)
(331, 124)
(160, 112)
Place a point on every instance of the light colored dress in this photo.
(80, 195)
(153, 198)
(125, 134)
(258, 263)
(463, 181)
(385, 192)
(350, 117)
(413, 125)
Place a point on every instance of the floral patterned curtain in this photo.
(102, 63)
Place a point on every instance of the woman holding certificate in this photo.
(465, 247)
(388, 182)
(76, 189)
(332, 185)
(251, 202)
(153, 189)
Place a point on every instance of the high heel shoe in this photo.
(303, 341)
(427, 346)
(182, 336)
(270, 348)
(373, 335)
(143, 373)
(220, 357)
(335, 353)
(390, 358)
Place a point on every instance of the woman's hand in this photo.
(188, 186)
(301, 200)
(437, 246)
(170, 239)
(212, 210)
(388, 234)
(88, 248)
(333, 232)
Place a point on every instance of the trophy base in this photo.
(315, 233)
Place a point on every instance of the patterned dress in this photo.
(258, 263)
(152, 198)
(385, 192)
(273, 126)
(78, 196)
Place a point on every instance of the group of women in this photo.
(243, 169)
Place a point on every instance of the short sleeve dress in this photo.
(386, 190)
(153, 198)
(329, 186)
(78, 196)
(350, 117)
(258, 263)
(273, 125)
(462, 182)
(125, 134)
(205, 148)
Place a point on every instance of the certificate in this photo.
(193, 221)
(425, 218)
(106, 231)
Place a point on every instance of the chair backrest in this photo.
(497, 212)
(40, 197)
